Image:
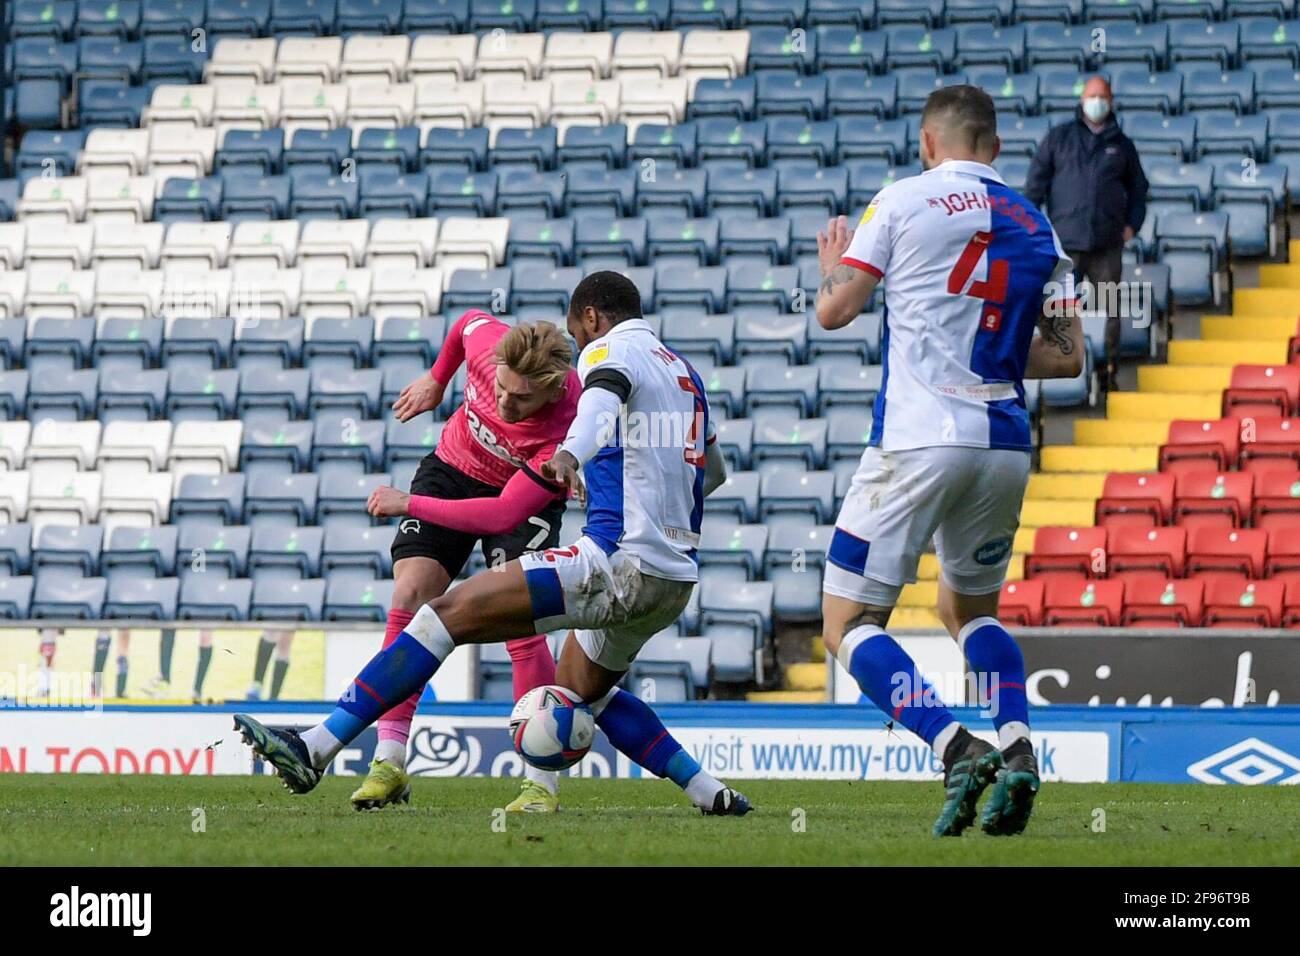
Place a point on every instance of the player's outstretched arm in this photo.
(715, 470)
(845, 290)
(1057, 350)
(523, 496)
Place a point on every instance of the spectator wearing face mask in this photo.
(1088, 178)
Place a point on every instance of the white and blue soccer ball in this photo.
(551, 727)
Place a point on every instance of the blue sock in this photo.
(392, 675)
(890, 679)
(633, 728)
(995, 657)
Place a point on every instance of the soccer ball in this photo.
(551, 728)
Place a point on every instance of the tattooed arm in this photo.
(1057, 350)
(845, 290)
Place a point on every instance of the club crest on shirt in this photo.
(597, 355)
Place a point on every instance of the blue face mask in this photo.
(1096, 108)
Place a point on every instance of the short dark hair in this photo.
(611, 294)
(966, 113)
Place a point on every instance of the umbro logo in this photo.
(1249, 762)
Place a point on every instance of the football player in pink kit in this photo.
(520, 398)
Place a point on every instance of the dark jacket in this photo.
(1091, 185)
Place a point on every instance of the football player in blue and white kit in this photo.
(970, 268)
(641, 451)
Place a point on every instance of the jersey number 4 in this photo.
(991, 290)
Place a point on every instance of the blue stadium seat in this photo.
(14, 388)
(656, 141)
(206, 339)
(303, 17)
(353, 551)
(349, 597)
(1252, 195)
(793, 564)
(38, 103)
(344, 497)
(396, 148)
(272, 344)
(1154, 132)
(715, 14)
(794, 138)
(515, 15)
(727, 543)
(53, 21)
(1051, 43)
(206, 598)
(1194, 246)
(116, 18)
(190, 200)
(682, 189)
(801, 189)
(16, 597)
(1171, 179)
(1059, 89)
(131, 395)
(857, 92)
(773, 48)
(63, 396)
(730, 188)
(456, 193)
(1146, 43)
(1142, 11)
(1218, 132)
(570, 14)
(849, 385)
(1065, 11)
(695, 336)
(782, 94)
(868, 176)
(418, 337)
(317, 194)
(15, 549)
(137, 552)
(714, 96)
(704, 286)
(527, 191)
(13, 339)
(110, 103)
(215, 498)
(250, 197)
(66, 342)
(792, 386)
(753, 283)
(109, 57)
(1269, 38)
(855, 50)
(389, 194)
(788, 488)
(867, 138)
(209, 550)
(610, 192)
(766, 238)
(55, 150)
(908, 46)
(836, 12)
(275, 447)
(781, 435)
(65, 597)
(1276, 84)
(324, 149)
(470, 290)
(1138, 88)
(915, 84)
(927, 13)
(463, 147)
(288, 500)
(996, 45)
(435, 16)
(1199, 40)
(1208, 88)
(534, 148)
(284, 552)
(602, 144)
(74, 548)
(673, 236)
(354, 391)
(172, 58)
(747, 605)
(1204, 9)
(595, 235)
(738, 496)
(154, 599)
(281, 390)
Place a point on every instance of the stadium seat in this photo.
(1073, 551)
(1236, 603)
(1152, 602)
(208, 598)
(1021, 603)
(1075, 603)
(1226, 551)
(1140, 500)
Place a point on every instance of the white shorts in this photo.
(611, 606)
(966, 499)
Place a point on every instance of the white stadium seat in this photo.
(133, 243)
(241, 57)
(513, 102)
(333, 244)
(648, 53)
(720, 53)
(196, 293)
(123, 151)
(383, 105)
(247, 107)
(587, 55)
(262, 244)
(516, 55)
(74, 444)
(482, 239)
(334, 293)
(14, 439)
(407, 293)
(317, 58)
(206, 447)
(15, 488)
(194, 243)
(127, 293)
(578, 102)
(135, 446)
(447, 103)
(649, 100)
(71, 497)
(13, 244)
(55, 198)
(60, 245)
(120, 199)
(13, 294)
(135, 499)
(177, 151)
(441, 57)
(181, 104)
(58, 293)
(308, 105)
(368, 58)
(262, 294)
(403, 242)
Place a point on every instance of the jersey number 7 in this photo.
(991, 290)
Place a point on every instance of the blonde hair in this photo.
(537, 351)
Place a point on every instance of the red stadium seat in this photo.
(1283, 558)
(1021, 603)
(1214, 498)
(1291, 604)
(1146, 551)
(1226, 551)
(1173, 602)
(1195, 445)
(1135, 499)
(1277, 500)
(1263, 390)
(1235, 603)
(1068, 550)
(1269, 444)
(1083, 603)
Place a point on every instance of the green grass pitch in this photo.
(105, 820)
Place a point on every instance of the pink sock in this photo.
(533, 663)
(396, 724)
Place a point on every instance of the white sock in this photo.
(427, 628)
(322, 745)
(1012, 731)
(702, 788)
(393, 752)
(944, 738)
(546, 778)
